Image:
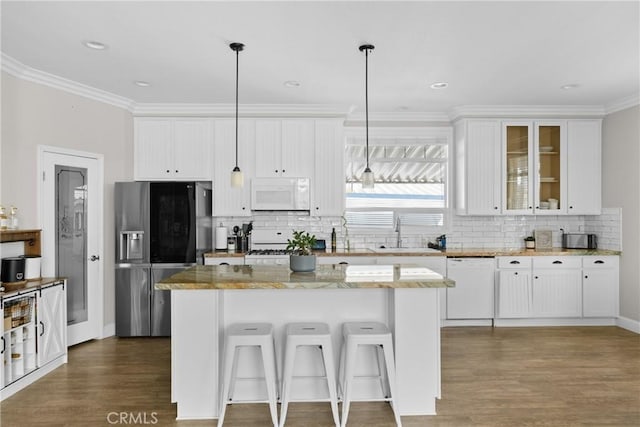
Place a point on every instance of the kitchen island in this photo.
(206, 299)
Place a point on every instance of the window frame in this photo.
(399, 134)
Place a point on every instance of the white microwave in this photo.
(280, 194)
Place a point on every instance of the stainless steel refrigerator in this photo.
(161, 229)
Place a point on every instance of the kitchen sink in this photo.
(405, 250)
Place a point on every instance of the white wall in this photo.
(621, 188)
(34, 114)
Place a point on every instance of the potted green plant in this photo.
(530, 242)
(302, 257)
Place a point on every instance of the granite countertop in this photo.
(30, 285)
(324, 277)
(471, 252)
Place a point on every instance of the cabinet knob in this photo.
(515, 273)
(530, 207)
(317, 207)
(283, 171)
(224, 263)
(176, 170)
(557, 262)
(495, 207)
(514, 262)
(535, 277)
(586, 277)
(276, 170)
(570, 207)
(243, 208)
(598, 262)
(167, 170)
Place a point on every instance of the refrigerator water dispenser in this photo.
(131, 245)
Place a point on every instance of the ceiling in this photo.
(490, 53)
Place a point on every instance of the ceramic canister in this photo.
(32, 267)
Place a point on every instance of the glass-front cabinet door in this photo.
(534, 176)
(518, 167)
(550, 175)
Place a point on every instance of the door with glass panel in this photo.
(71, 204)
(518, 166)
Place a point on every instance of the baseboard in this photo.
(466, 322)
(629, 324)
(108, 330)
(562, 321)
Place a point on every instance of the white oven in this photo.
(280, 194)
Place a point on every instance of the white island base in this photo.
(200, 316)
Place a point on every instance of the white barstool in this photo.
(243, 335)
(308, 334)
(367, 333)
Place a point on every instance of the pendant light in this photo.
(237, 180)
(367, 175)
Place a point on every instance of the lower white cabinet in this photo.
(52, 324)
(514, 293)
(600, 286)
(33, 335)
(355, 260)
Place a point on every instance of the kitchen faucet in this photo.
(398, 230)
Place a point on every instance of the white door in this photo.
(71, 195)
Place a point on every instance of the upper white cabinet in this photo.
(534, 168)
(284, 148)
(172, 148)
(228, 201)
(584, 170)
(523, 167)
(477, 167)
(328, 182)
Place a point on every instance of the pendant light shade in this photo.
(237, 179)
(367, 176)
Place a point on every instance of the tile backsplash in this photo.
(482, 232)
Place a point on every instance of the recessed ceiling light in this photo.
(92, 44)
(291, 83)
(570, 86)
(439, 85)
(141, 83)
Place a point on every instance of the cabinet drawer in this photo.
(557, 262)
(597, 262)
(514, 262)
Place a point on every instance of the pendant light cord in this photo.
(237, 74)
(366, 99)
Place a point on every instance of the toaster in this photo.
(579, 241)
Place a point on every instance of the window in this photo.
(411, 174)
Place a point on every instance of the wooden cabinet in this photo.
(52, 323)
(284, 148)
(172, 148)
(328, 184)
(600, 277)
(228, 201)
(477, 167)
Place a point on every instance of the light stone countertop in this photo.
(28, 286)
(471, 252)
(324, 277)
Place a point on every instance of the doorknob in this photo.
(94, 258)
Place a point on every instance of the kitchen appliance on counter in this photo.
(12, 269)
(268, 247)
(161, 229)
(579, 241)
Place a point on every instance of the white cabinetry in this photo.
(52, 325)
(477, 166)
(172, 148)
(557, 287)
(514, 287)
(34, 336)
(328, 184)
(355, 260)
(228, 201)
(600, 286)
(584, 167)
(284, 148)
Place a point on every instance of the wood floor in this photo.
(490, 377)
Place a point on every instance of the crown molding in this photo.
(622, 104)
(23, 72)
(522, 111)
(245, 110)
(401, 117)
